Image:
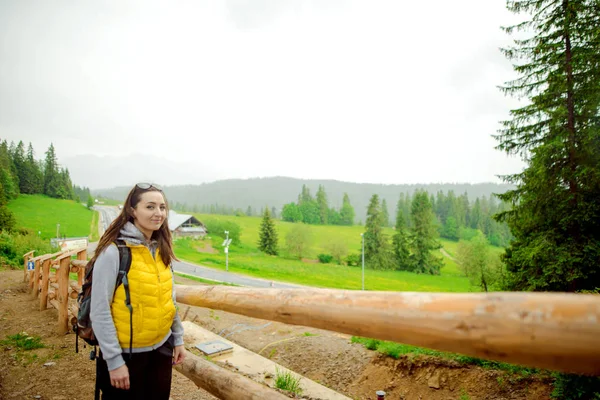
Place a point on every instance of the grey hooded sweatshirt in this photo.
(106, 269)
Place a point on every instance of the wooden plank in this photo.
(48, 256)
(61, 257)
(79, 263)
(558, 331)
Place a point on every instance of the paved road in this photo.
(108, 214)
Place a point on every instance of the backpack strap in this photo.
(124, 262)
(124, 265)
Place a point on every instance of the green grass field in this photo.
(42, 214)
(246, 259)
(249, 261)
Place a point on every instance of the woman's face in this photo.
(150, 212)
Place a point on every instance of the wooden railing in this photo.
(558, 331)
(49, 280)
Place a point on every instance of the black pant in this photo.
(149, 375)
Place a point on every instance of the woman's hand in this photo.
(119, 377)
(178, 354)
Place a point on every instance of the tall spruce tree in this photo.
(9, 181)
(34, 172)
(400, 240)
(555, 212)
(323, 206)
(377, 251)
(53, 183)
(424, 236)
(267, 241)
(346, 212)
(385, 213)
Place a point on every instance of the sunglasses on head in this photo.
(146, 186)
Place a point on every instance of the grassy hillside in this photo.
(41, 214)
(246, 259)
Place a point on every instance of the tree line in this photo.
(455, 217)
(22, 173)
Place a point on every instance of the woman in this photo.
(137, 365)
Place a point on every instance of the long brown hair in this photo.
(162, 235)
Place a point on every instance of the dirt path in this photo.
(323, 356)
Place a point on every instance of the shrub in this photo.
(325, 258)
(217, 227)
(12, 247)
(353, 259)
(575, 387)
(298, 240)
(338, 249)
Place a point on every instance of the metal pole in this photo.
(362, 235)
(227, 251)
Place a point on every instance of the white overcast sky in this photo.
(364, 91)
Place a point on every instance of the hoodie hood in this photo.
(132, 235)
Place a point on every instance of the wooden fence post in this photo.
(63, 263)
(63, 295)
(26, 258)
(45, 280)
(36, 279)
(81, 255)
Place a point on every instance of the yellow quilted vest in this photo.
(150, 288)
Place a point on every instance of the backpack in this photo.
(83, 327)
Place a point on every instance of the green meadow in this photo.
(39, 213)
(246, 259)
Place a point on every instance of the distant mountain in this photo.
(277, 191)
(98, 172)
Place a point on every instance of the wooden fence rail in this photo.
(559, 331)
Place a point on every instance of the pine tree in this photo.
(323, 206)
(267, 241)
(9, 182)
(424, 236)
(400, 240)
(347, 212)
(53, 184)
(34, 172)
(21, 167)
(385, 214)
(377, 252)
(555, 211)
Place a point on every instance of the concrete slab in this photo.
(253, 365)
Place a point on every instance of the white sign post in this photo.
(226, 244)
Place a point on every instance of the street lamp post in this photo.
(362, 235)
